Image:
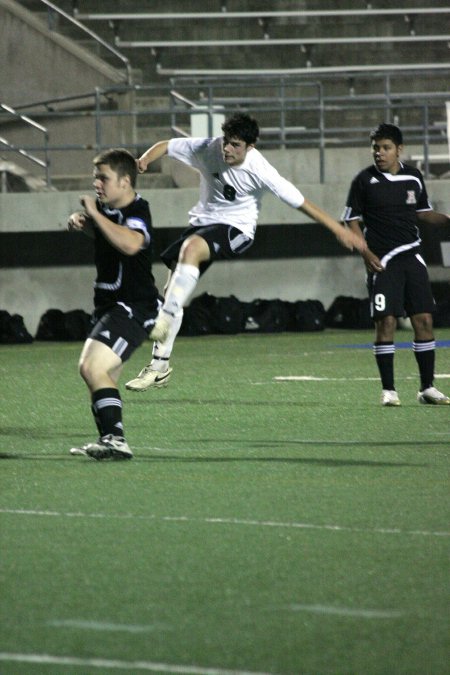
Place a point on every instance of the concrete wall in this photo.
(32, 52)
(37, 65)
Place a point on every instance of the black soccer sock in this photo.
(424, 351)
(107, 409)
(97, 420)
(384, 356)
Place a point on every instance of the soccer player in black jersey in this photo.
(126, 299)
(387, 201)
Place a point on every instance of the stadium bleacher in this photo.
(181, 37)
(353, 53)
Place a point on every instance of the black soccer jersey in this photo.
(123, 278)
(387, 205)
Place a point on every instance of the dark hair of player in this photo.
(121, 161)
(242, 126)
(389, 131)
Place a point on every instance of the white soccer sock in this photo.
(182, 283)
(163, 350)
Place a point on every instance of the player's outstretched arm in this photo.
(151, 155)
(345, 237)
(433, 218)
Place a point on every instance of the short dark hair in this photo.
(121, 161)
(242, 126)
(389, 131)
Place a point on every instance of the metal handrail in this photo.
(308, 71)
(299, 13)
(58, 99)
(277, 109)
(276, 42)
(21, 151)
(94, 36)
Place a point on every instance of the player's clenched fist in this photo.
(141, 165)
(77, 221)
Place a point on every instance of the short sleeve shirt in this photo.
(231, 195)
(124, 278)
(387, 205)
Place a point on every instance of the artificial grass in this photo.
(262, 526)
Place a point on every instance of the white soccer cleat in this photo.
(161, 329)
(389, 397)
(107, 447)
(433, 396)
(82, 450)
(148, 377)
(78, 451)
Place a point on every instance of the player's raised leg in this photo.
(181, 283)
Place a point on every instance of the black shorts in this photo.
(120, 330)
(225, 242)
(402, 288)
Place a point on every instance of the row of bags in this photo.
(208, 314)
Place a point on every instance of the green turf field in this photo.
(263, 526)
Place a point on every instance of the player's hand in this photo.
(373, 263)
(89, 204)
(141, 165)
(76, 222)
(350, 240)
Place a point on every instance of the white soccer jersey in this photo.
(231, 195)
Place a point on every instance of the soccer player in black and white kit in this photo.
(233, 179)
(125, 296)
(387, 200)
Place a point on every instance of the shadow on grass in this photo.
(44, 433)
(236, 445)
(298, 403)
(221, 402)
(47, 458)
(323, 461)
(309, 441)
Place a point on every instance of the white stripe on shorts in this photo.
(119, 346)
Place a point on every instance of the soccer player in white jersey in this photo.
(233, 179)
(387, 200)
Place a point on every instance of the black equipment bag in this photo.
(207, 314)
(349, 312)
(56, 325)
(307, 315)
(266, 316)
(13, 329)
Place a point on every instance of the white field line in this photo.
(227, 521)
(106, 626)
(313, 378)
(130, 666)
(349, 611)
